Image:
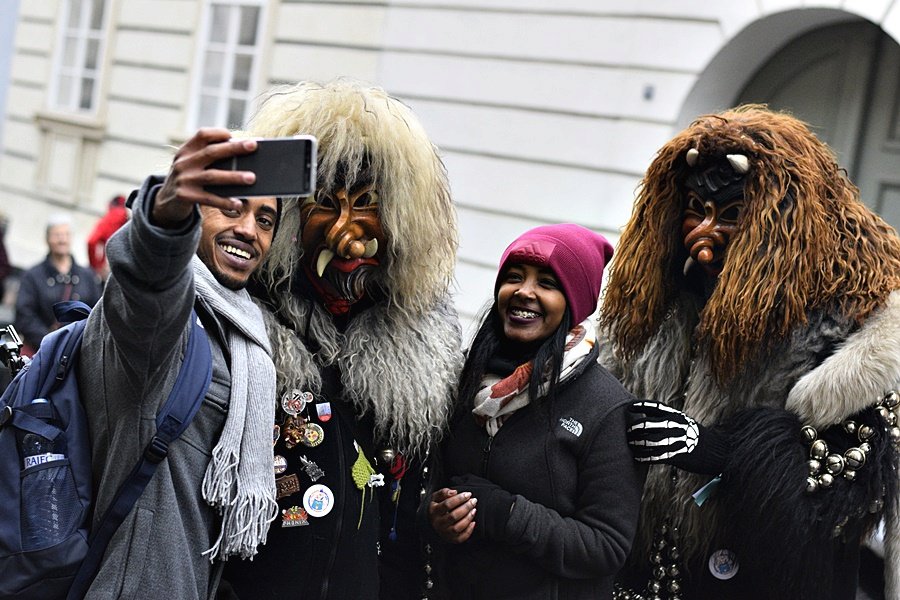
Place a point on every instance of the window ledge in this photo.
(87, 127)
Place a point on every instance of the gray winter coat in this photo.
(132, 351)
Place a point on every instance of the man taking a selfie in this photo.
(214, 496)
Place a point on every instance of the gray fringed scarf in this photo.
(239, 480)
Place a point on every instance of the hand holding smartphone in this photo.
(283, 166)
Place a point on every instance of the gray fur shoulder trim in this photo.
(865, 366)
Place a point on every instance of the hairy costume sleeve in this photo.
(597, 538)
(803, 513)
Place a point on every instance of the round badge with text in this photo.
(318, 500)
(293, 402)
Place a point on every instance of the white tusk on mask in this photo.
(325, 257)
(692, 155)
(738, 162)
(690, 262)
(371, 248)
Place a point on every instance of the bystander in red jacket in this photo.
(115, 217)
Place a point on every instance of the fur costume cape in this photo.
(809, 276)
(400, 358)
(400, 369)
(762, 508)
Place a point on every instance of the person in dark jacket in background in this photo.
(55, 279)
(542, 495)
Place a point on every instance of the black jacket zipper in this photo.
(486, 452)
(340, 514)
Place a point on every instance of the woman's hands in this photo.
(452, 514)
(452, 510)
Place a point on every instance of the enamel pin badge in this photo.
(323, 410)
(294, 517)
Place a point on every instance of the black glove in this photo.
(493, 507)
(660, 434)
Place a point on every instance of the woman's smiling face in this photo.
(530, 303)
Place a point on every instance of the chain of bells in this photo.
(665, 570)
(665, 574)
(387, 456)
(823, 467)
(428, 585)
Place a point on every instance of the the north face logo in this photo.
(571, 425)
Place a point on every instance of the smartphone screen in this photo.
(283, 166)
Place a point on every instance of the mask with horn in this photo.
(715, 201)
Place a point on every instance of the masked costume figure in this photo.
(367, 347)
(758, 301)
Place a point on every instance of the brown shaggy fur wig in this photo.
(805, 242)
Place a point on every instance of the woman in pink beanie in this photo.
(542, 495)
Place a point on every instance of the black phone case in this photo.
(283, 167)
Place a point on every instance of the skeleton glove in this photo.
(660, 434)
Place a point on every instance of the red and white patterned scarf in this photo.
(499, 397)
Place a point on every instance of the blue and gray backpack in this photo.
(48, 549)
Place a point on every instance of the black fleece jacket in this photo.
(576, 491)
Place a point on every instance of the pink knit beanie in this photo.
(577, 256)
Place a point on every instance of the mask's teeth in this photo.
(325, 257)
(371, 248)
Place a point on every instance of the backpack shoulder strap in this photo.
(173, 418)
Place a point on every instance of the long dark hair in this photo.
(490, 336)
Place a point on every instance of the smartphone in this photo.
(283, 166)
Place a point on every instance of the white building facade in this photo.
(544, 110)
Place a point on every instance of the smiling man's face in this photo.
(233, 243)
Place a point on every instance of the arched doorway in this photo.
(844, 80)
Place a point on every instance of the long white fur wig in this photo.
(362, 128)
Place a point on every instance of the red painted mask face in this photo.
(343, 244)
(708, 226)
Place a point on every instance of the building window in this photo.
(224, 82)
(78, 59)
